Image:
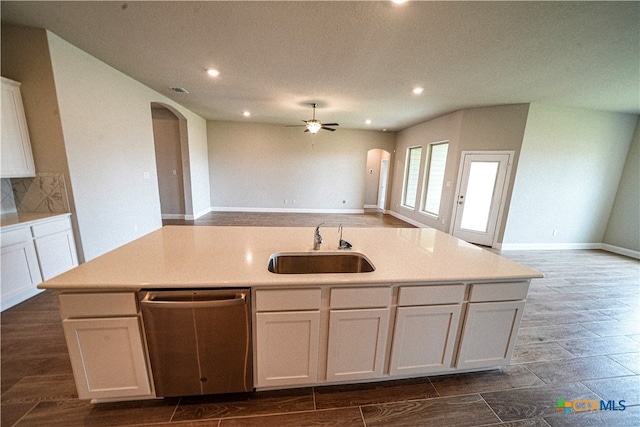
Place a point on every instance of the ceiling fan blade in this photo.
(306, 130)
(330, 124)
(327, 128)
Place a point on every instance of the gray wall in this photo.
(95, 122)
(260, 166)
(475, 129)
(568, 174)
(623, 229)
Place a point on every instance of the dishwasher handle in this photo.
(238, 299)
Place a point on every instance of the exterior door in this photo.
(483, 180)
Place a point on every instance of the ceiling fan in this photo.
(315, 125)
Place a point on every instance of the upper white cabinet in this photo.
(16, 155)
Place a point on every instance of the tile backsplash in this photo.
(46, 192)
(7, 202)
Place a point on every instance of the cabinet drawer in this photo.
(430, 295)
(51, 227)
(14, 237)
(287, 299)
(498, 291)
(98, 304)
(360, 297)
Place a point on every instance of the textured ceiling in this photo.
(359, 60)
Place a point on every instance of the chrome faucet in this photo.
(317, 238)
(343, 244)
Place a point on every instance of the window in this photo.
(411, 173)
(434, 177)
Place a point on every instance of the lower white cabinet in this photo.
(287, 348)
(489, 334)
(57, 253)
(103, 331)
(287, 337)
(424, 339)
(33, 252)
(20, 272)
(107, 357)
(357, 343)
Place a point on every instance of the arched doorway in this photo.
(172, 162)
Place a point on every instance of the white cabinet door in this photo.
(489, 334)
(357, 343)
(19, 274)
(424, 339)
(57, 253)
(15, 146)
(107, 357)
(287, 348)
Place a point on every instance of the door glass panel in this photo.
(477, 201)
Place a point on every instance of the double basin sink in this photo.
(319, 262)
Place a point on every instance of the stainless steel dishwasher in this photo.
(199, 340)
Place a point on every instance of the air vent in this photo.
(179, 90)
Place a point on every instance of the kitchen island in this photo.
(434, 304)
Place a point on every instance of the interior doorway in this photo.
(172, 162)
(376, 180)
(483, 180)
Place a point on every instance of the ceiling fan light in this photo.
(313, 126)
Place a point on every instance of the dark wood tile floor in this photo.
(580, 339)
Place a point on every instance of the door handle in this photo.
(238, 299)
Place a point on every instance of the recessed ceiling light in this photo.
(368, 121)
(213, 72)
(418, 90)
(246, 113)
(399, 1)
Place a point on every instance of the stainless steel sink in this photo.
(319, 262)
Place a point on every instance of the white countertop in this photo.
(21, 219)
(195, 256)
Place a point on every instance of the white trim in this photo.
(174, 216)
(286, 210)
(564, 246)
(409, 220)
(201, 213)
(372, 207)
(546, 246)
(620, 251)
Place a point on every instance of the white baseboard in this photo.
(173, 216)
(409, 220)
(201, 213)
(8, 303)
(621, 251)
(567, 246)
(287, 210)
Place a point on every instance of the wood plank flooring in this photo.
(579, 339)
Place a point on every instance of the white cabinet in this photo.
(491, 326)
(287, 337)
(20, 273)
(358, 329)
(107, 353)
(15, 146)
(56, 247)
(424, 335)
(33, 252)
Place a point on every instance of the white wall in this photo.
(108, 138)
(568, 174)
(623, 229)
(259, 166)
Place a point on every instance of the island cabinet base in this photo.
(106, 345)
(344, 334)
